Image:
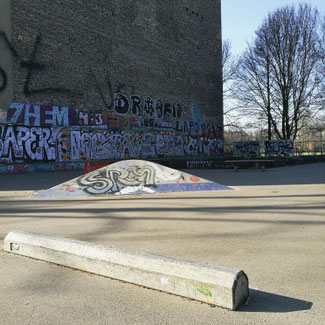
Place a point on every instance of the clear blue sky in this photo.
(241, 18)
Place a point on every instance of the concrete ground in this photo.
(271, 226)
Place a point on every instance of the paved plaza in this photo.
(271, 225)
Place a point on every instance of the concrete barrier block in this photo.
(221, 286)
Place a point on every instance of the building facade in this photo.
(109, 80)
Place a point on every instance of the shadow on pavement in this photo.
(50, 212)
(301, 174)
(36, 181)
(266, 302)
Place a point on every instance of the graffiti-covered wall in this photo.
(106, 79)
(279, 147)
(35, 133)
(248, 149)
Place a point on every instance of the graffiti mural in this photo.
(41, 115)
(27, 168)
(110, 180)
(135, 105)
(200, 164)
(134, 128)
(152, 114)
(279, 148)
(22, 143)
(247, 149)
(99, 144)
(124, 124)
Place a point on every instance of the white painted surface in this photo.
(135, 189)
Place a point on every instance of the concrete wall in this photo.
(6, 80)
(115, 66)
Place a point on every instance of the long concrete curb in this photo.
(221, 286)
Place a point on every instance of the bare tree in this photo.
(278, 78)
(322, 40)
(229, 70)
(322, 63)
(229, 66)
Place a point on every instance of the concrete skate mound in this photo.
(131, 177)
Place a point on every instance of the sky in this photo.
(241, 18)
